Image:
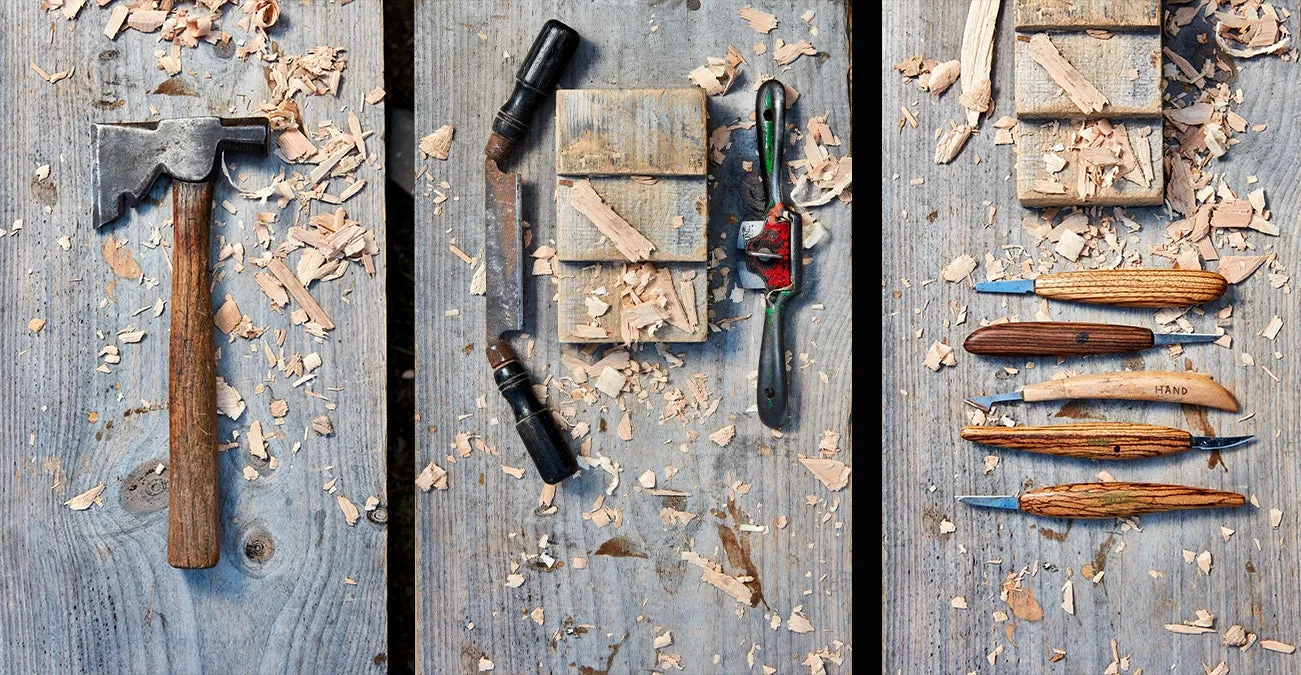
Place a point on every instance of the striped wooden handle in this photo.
(1056, 338)
(1144, 385)
(1091, 440)
(1120, 500)
(1133, 287)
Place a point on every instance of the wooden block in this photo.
(622, 132)
(578, 280)
(1082, 14)
(651, 208)
(1107, 64)
(1034, 139)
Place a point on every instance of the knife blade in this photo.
(1068, 338)
(1099, 440)
(1143, 385)
(1122, 288)
(1108, 500)
(504, 251)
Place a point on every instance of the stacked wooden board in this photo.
(1088, 101)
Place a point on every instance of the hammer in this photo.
(129, 158)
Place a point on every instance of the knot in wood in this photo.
(259, 547)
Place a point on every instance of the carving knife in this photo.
(1108, 500)
(1122, 288)
(504, 251)
(1066, 338)
(1100, 440)
(1147, 385)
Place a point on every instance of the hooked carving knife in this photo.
(1099, 440)
(1122, 288)
(772, 261)
(1148, 385)
(1108, 500)
(504, 251)
(1067, 338)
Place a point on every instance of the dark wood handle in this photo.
(1120, 500)
(193, 525)
(1092, 440)
(544, 442)
(1134, 287)
(1056, 338)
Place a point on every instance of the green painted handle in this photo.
(770, 108)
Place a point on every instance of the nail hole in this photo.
(767, 115)
(769, 393)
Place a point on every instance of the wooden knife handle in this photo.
(1056, 338)
(545, 444)
(1091, 440)
(193, 524)
(1133, 287)
(1144, 385)
(1120, 500)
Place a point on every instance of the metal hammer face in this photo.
(130, 157)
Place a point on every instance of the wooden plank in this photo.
(648, 132)
(1034, 139)
(91, 591)
(1147, 583)
(578, 280)
(1125, 67)
(653, 209)
(1082, 14)
(604, 616)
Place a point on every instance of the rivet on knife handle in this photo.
(1122, 288)
(1067, 338)
(537, 77)
(1150, 385)
(1109, 500)
(1099, 440)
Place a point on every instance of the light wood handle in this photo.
(1143, 385)
(1056, 338)
(1091, 440)
(1120, 500)
(193, 524)
(1133, 287)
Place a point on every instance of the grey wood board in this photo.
(927, 463)
(634, 131)
(1082, 14)
(91, 591)
(1035, 138)
(651, 209)
(578, 280)
(1107, 64)
(470, 533)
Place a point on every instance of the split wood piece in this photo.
(1036, 186)
(683, 316)
(977, 60)
(632, 244)
(299, 293)
(643, 132)
(1076, 75)
(670, 212)
(1085, 14)
(1121, 500)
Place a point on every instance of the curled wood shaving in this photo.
(718, 75)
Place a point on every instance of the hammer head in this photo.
(130, 157)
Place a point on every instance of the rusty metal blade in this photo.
(503, 246)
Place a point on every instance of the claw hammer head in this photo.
(130, 157)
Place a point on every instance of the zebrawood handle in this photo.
(1091, 440)
(1056, 338)
(193, 524)
(1133, 287)
(1143, 385)
(1119, 500)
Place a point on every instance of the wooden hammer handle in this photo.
(1146, 385)
(193, 525)
(1133, 287)
(1092, 440)
(1120, 500)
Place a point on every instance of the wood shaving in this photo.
(786, 54)
(723, 436)
(761, 21)
(350, 511)
(437, 144)
(1081, 92)
(718, 75)
(432, 476)
(631, 243)
(832, 473)
(91, 497)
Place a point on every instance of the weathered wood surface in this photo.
(926, 463)
(91, 591)
(577, 280)
(1082, 14)
(649, 132)
(1034, 138)
(604, 618)
(1106, 64)
(651, 209)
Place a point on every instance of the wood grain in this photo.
(651, 209)
(1056, 338)
(1122, 499)
(1083, 14)
(631, 132)
(1125, 69)
(1034, 138)
(606, 616)
(194, 508)
(577, 280)
(91, 591)
(1089, 440)
(1133, 287)
(1150, 385)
